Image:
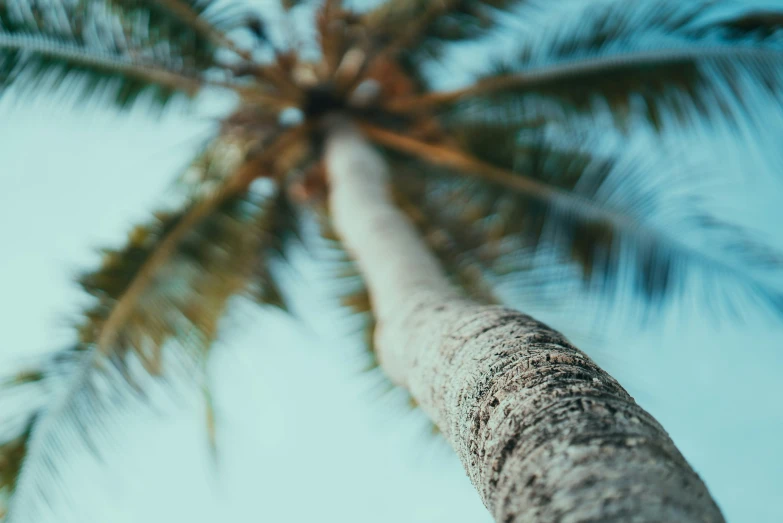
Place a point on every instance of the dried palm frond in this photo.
(158, 301)
(655, 62)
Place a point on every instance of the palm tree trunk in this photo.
(543, 432)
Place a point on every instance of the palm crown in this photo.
(506, 178)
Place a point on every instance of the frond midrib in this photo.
(564, 69)
(479, 170)
(74, 54)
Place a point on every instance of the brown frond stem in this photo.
(371, 53)
(412, 33)
(271, 100)
(275, 158)
(270, 73)
(275, 75)
(148, 72)
(448, 156)
(235, 186)
(146, 275)
(331, 38)
(186, 14)
(286, 91)
(209, 411)
(144, 71)
(569, 71)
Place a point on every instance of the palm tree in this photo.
(452, 203)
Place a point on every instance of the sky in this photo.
(303, 434)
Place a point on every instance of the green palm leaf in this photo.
(157, 304)
(427, 25)
(658, 63)
(197, 28)
(12, 453)
(16, 427)
(118, 49)
(571, 209)
(23, 402)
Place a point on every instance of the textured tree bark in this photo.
(544, 433)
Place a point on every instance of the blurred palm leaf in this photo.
(22, 403)
(654, 62)
(12, 453)
(570, 208)
(290, 4)
(193, 29)
(422, 26)
(757, 25)
(16, 428)
(158, 301)
(505, 206)
(120, 49)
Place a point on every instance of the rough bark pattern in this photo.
(544, 434)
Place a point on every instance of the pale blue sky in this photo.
(301, 436)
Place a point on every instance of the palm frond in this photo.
(16, 433)
(23, 399)
(199, 25)
(290, 4)
(158, 301)
(758, 25)
(422, 26)
(12, 453)
(658, 63)
(101, 46)
(571, 210)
